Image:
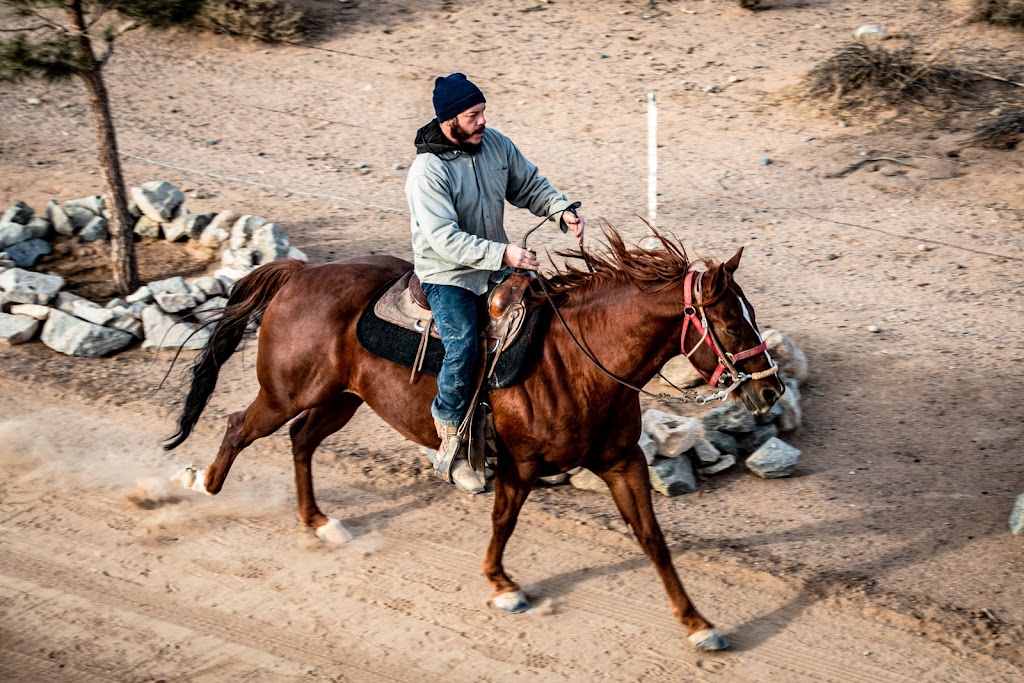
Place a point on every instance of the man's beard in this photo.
(462, 136)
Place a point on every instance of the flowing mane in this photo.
(652, 270)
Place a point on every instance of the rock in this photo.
(680, 372)
(772, 415)
(75, 337)
(239, 259)
(25, 254)
(175, 303)
(20, 212)
(142, 294)
(297, 254)
(176, 230)
(59, 218)
(79, 217)
(31, 310)
(556, 479)
(195, 223)
(27, 287)
(792, 415)
(147, 227)
(210, 310)
(210, 286)
(725, 462)
(172, 285)
(229, 276)
(116, 303)
(1017, 517)
(95, 230)
(751, 441)
(732, 417)
(775, 458)
(726, 443)
(869, 33)
(16, 329)
(94, 313)
(157, 199)
(13, 233)
(268, 243)
(219, 230)
(242, 230)
(790, 359)
(66, 302)
(95, 204)
(126, 321)
(41, 227)
(648, 446)
(672, 434)
(585, 480)
(164, 331)
(672, 476)
(706, 452)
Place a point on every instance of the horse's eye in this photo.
(732, 331)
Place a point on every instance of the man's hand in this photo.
(576, 223)
(517, 257)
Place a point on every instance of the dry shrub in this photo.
(272, 21)
(1006, 132)
(860, 76)
(1002, 12)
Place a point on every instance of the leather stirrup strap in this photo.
(421, 352)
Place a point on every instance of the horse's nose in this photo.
(770, 396)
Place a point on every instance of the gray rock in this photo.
(672, 434)
(94, 313)
(210, 286)
(95, 230)
(66, 302)
(16, 329)
(172, 285)
(164, 331)
(175, 303)
(242, 230)
(80, 217)
(219, 230)
(25, 254)
(1017, 517)
(195, 223)
(20, 212)
(790, 359)
(239, 259)
(680, 372)
(210, 310)
(142, 294)
(792, 415)
(128, 323)
(116, 303)
(775, 458)
(41, 227)
(297, 254)
(732, 417)
(648, 446)
(27, 287)
(136, 308)
(176, 230)
(268, 243)
(59, 218)
(94, 204)
(75, 337)
(585, 480)
(751, 441)
(706, 452)
(672, 476)
(725, 462)
(726, 443)
(147, 227)
(31, 310)
(773, 414)
(157, 199)
(13, 233)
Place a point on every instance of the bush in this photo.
(1006, 132)
(272, 21)
(1003, 12)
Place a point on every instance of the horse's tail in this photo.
(249, 299)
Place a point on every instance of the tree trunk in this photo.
(122, 233)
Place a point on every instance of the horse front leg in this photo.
(631, 488)
(512, 485)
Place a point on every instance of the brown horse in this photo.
(628, 314)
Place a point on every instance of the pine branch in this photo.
(24, 29)
(110, 37)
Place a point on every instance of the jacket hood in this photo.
(430, 139)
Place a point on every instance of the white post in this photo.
(652, 158)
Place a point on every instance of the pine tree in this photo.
(57, 40)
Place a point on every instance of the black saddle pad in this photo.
(399, 345)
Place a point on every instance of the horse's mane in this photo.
(650, 269)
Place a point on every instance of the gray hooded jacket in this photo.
(457, 202)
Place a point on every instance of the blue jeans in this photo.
(455, 312)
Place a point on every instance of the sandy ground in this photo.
(886, 558)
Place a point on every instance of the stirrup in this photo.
(444, 459)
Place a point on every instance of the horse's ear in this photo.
(732, 264)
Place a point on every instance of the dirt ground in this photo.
(887, 557)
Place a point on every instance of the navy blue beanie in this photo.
(455, 94)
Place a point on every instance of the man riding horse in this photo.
(457, 188)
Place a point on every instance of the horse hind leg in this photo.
(511, 488)
(307, 433)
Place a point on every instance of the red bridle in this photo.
(692, 300)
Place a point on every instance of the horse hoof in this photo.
(333, 532)
(513, 602)
(708, 639)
